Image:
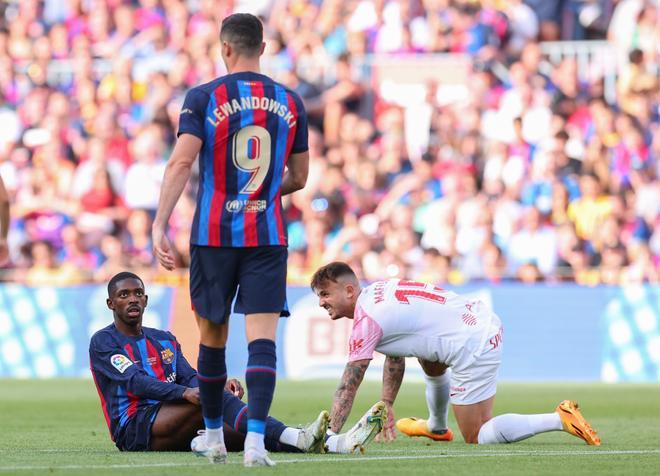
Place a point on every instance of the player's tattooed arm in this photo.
(345, 394)
(393, 372)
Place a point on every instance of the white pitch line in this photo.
(524, 452)
(342, 459)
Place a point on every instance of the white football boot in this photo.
(255, 457)
(312, 437)
(364, 431)
(217, 454)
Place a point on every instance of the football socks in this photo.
(512, 427)
(260, 377)
(437, 400)
(212, 376)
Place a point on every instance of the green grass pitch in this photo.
(56, 427)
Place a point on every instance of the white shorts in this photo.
(478, 381)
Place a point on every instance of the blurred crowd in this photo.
(532, 175)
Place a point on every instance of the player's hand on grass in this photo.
(234, 387)
(388, 433)
(192, 395)
(162, 248)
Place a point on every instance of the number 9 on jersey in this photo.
(252, 155)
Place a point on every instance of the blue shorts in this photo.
(136, 434)
(259, 275)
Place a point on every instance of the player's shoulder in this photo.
(283, 87)
(104, 336)
(286, 89)
(377, 295)
(208, 88)
(202, 92)
(380, 285)
(158, 334)
(296, 97)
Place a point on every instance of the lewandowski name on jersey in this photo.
(223, 111)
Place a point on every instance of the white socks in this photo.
(255, 440)
(512, 427)
(333, 443)
(214, 437)
(437, 400)
(290, 436)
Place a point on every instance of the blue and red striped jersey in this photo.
(132, 372)
(249, 125)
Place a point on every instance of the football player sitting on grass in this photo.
(150, 397)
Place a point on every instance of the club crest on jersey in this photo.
(120, 362)
(167, 355)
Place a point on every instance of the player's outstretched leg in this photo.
(212, 376)
(360, 435)
(510, 427)
(278, 436)
(260, 378)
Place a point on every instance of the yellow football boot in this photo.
(415, 427)
(575, 424)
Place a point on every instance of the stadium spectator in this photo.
(76, 252)
(4, 222)
(46, 270)
(114, 258)
(139, 242)
(590, 210)
(160, 407)
(534, 243)
(145, 176)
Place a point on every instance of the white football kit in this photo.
(409, 319)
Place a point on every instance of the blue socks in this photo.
(260, 381)
(212, 376)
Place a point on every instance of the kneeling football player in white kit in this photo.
(443, 330)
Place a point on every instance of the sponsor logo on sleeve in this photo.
(186, 111)
(355, 345)
(120, 362)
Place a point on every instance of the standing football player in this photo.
(251, 136)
